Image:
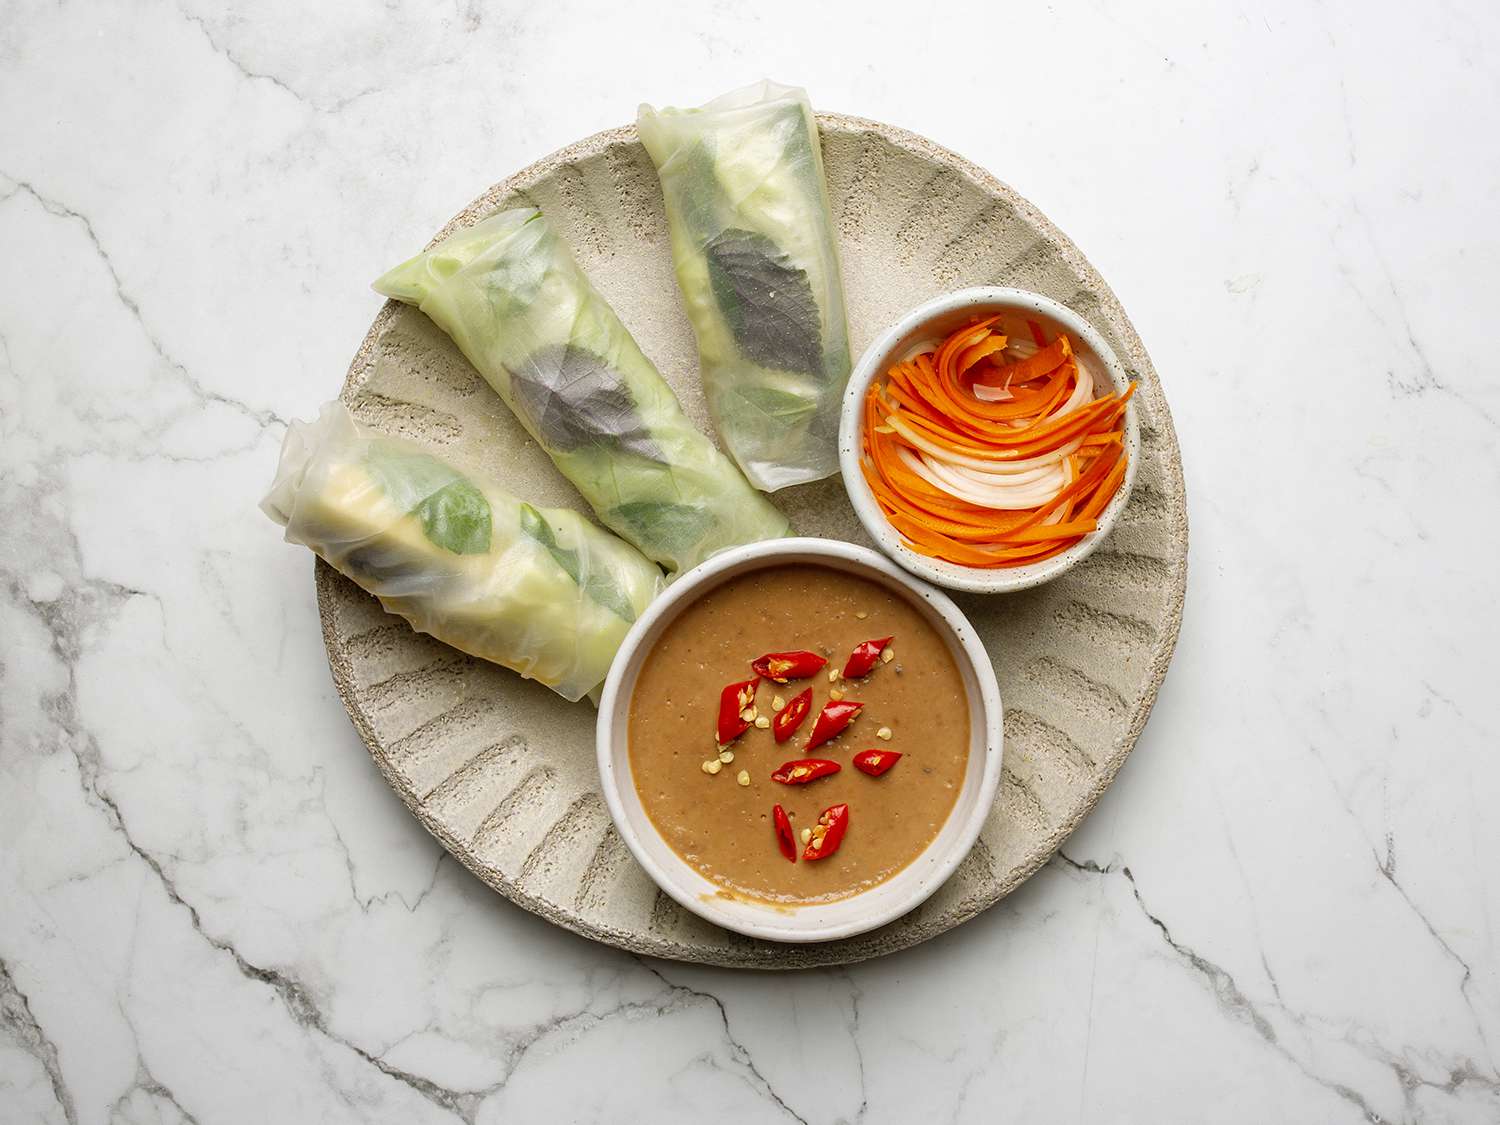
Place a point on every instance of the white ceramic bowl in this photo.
(930, 322)
(821, 921)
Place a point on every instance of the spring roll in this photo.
(509, 293)
(539, 590)
(753, 247)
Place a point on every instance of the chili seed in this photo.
(777, 703)
(887, 656)
(747, 715)
(761, 722)
(835, 695)
(833, 675)
(726, 756)
(744, 778)
(806, 835)
(883, 732)
(711, 766)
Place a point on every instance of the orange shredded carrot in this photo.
(928, 401)
(1046, 359)
(975, 352)
(1106, 491)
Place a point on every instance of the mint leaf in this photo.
(572, 399)
(457, 518)
(786, 405)
(540, 530)
(598, 586)
(672, 529)
(454, 514)
(798, 148)
(698, 189)
(766, 300)
(511, 282)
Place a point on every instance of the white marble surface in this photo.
(213, 910)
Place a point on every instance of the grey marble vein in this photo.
(229, 55)
(739, 1053)
(21, 1025)
(262, 418)
(1227, 994)
(1237, 1005)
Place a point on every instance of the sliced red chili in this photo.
(799, 771)
(784, 838)
(864, 657)
(785, 722)
(875, 762)
(732, 700)
(828, 833)
(834, 717)
(784, 666)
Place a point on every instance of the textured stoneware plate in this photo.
(502, 771)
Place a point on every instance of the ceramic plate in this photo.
(502, 771)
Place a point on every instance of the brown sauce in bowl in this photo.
(724, 829)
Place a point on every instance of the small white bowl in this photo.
(931, 322)
(822, 921)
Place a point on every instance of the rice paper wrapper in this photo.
(539, 590)
(753, 247)
(510, 294)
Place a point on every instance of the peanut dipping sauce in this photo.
(723, 828)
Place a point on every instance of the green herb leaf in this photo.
(767, 301)
(672, 529)
(799, 149)
(597, 586)
(789, 406)
(457, 518)
(454, 514)
(698, 189)
(572, 399)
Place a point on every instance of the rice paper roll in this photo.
(754, 252)
(539, 590)
(509, 293)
